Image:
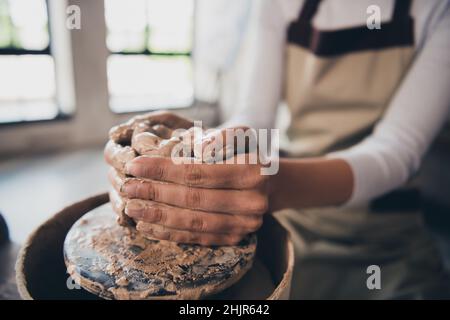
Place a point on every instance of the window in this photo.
(150, 63)
(27, 75)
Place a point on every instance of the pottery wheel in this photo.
(116, 262)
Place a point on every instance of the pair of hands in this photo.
(207, 204)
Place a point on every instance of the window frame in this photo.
(148, 52)
(63, 99)
(86, 58)
(11, 50)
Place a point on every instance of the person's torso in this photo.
(338, 85)
(344, 62)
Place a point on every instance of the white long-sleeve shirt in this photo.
(392, 153)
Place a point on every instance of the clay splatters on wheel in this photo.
(116, 262)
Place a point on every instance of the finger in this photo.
(190, 220)
(117, 155)
(159, 130)
(154, 231)
(147, 143)
(220, 144)
(226, 176)
(231, 201)
(247, 202)
(216, 145)
(117, 180)
(118, 205)
(117, 202)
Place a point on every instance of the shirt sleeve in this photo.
(262, 77)
(393, 152)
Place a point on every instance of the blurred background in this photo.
(62, 89)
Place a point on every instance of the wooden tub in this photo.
(41, 272)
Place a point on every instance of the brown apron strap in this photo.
(401, 10)
(308, 10)
(395, 33)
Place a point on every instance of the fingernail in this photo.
(129, 168)
(135, 209)
(129, 190)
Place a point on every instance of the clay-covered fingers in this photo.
(117, 155)
(216, 200)
(249, 201)
(123, 133)
(159, 232)
(118, 205)
(147, 143)
(191, 220)
(143, 135)
(218, 144)
(225, 176)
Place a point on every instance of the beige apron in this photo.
(338, 86)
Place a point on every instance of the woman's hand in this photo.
(208, 204)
